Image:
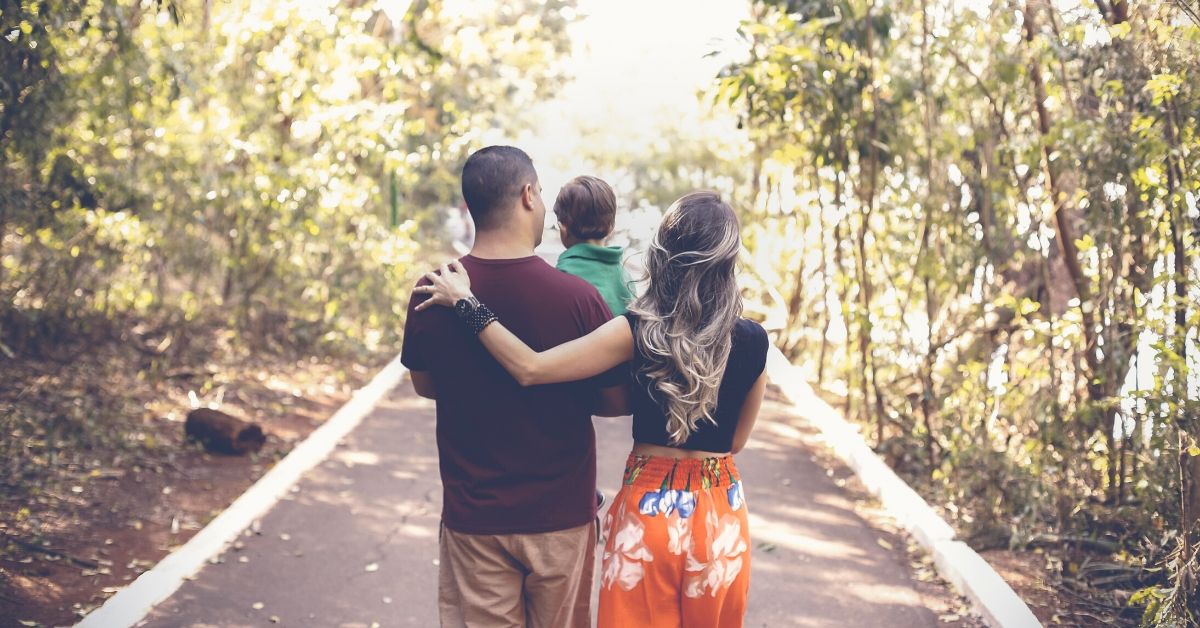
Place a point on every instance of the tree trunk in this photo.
(844, 296)
(864, 321)
(866, 210)
(827, 316)
(3, 227)
(1189, 465)
(926, 368)
(795, 301)
(1189, 488)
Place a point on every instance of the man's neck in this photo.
(500, 245)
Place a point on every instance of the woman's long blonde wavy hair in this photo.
(689, 309)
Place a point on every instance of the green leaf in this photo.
(1163, 86)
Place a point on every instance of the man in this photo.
(518, 465)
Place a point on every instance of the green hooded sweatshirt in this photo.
(601, 267)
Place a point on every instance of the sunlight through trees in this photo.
(985, 220)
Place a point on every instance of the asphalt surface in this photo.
(355, 543)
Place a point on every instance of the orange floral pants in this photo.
(677, 548)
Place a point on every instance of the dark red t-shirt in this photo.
(513, 460)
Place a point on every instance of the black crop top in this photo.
(747, 358)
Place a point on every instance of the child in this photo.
(586, 209)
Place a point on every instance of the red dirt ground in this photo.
(100, 524)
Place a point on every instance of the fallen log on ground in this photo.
(222, 433)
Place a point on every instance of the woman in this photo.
(678, 546)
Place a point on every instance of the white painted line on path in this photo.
(988, 592)
(962, 566)
(131, 604)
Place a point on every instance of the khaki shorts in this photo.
(516, 580)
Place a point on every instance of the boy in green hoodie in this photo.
(586, 208)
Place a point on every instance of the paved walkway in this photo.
(355, 544)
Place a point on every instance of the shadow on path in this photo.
(816, 561)
(353, 545)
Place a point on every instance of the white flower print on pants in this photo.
(726, 548)
(623, 564)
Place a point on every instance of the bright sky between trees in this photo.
(637, 68)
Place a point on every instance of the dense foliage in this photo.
(267, 170)
(990, 220)
(242, 156)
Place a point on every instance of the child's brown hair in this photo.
(587, 207)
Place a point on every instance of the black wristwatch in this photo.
(466, 306)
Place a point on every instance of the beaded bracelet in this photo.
(476, 315)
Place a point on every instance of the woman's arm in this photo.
(607, 346)
(749, 413)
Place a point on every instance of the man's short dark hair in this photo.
(587, 207)
(492, 179)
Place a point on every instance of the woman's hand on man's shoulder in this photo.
(446, 286)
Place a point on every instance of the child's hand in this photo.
(447, 286)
